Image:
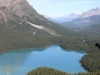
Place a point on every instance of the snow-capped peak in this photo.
(65, 18)
(75, 12)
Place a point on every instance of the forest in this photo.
(50, 71)
(46, 71)
(14, 40)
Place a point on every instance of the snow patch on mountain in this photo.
(64, 18)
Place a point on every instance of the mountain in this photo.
(64, 18)
(86, 19)
(91, 12)
(73, 16)
(19, 15)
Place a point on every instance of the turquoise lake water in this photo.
(20, 62)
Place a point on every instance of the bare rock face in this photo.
(19, 7)
(16, 11)
(19, 15)
(14, 14)
(5, 3)
(5, 15)
(91, 12)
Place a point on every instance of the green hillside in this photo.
(46, 71)
(50, 71)
(93, 29)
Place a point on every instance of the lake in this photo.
(20, 62)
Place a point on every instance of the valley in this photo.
(87, 22)
(23, 28)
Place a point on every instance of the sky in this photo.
(57, 8)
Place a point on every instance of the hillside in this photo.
(93, 29)
(46, 71)
(50, 71)
(19, 15)
(83, 22)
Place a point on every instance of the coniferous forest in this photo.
(12, 40)
(50, 71)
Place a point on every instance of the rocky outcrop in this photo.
(14, 14)
(16, 11)
(91, 12)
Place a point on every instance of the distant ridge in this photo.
(64, 18)
(86, 19)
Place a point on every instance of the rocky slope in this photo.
(17, 14)
(91, 12)
(86, 19)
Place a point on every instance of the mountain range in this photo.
(86, 19)
(19, 15)
(64, 18)
(88, 22)
(91, 12)
(75, 15)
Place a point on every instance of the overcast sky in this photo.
(54, 8)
